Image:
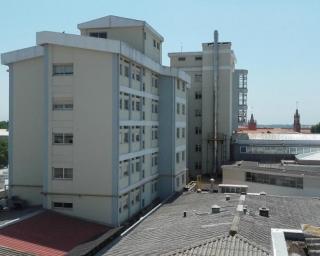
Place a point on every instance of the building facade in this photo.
(94, 140)
(212, 113)
(240, 98)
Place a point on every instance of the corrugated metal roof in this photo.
(221, 246)
(278, 136)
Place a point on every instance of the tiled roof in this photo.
(49, 234)
(167, 231)
(221, 246)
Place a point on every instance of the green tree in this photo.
(4, 124)
(3, 153)
(315, 128)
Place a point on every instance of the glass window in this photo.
(68, 138)
(62, 69)
(58, 138)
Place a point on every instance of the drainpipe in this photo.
(215, 100)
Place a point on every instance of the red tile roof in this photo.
(49, 233)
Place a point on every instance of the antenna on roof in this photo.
(181, 46)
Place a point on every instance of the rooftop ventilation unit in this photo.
(215, 209)
(264, 212)
(227, 197)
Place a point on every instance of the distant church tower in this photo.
(252, 124)
(296, 122)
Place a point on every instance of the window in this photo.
(197, 112)
(182, 178)
(62, 106)
(198, 148)
(154, 43)
(198, 130)
(177, 181)
(144, 35)
(62, 173)
(154, 159)
(62, 205)
(198, 77)
(177, 157)
(158, 45)
(178, 108)
(183, 87)
(68, 138)
(183, 132)
(126, 71)
(178, 85)
(62, 138)
(198, 165)
(182, 155)
(181, 58)
(197, 95)
(198, 58)
(243, 149)
(178, 133)
(183, 109)
(98, 34)
(62, 69)
(154, 106)
(277, 180)
(120, 69)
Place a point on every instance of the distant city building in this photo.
(272, 144)
(213, 103)
(296, 122)
(104, 131)
(252, 124)
(287, 178)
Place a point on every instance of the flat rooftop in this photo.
(288, 167)
(167, 232)
(49, 234)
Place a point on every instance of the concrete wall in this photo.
(90, 121)
(134, 36)
(26, 147)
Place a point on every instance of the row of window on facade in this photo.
(62, 138)
(277, 180)
(136, 73)
(197, 58)
(136, 102)
(136, 195)
(136, 133)
(135, 165)
(277, 150)
(180, 157)
(243, 99)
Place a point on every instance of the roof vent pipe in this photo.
(264, 212)
(211, 185)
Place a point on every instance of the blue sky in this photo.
(277, 41)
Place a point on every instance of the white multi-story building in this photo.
(97, 124)
(213, 104)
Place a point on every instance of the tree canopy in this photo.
(4, 124)
(3, 153)
(315, 128)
